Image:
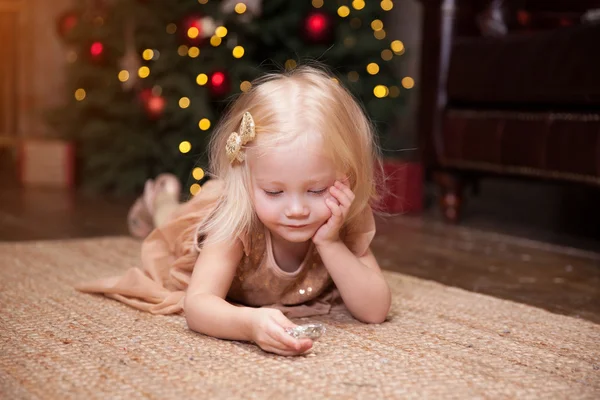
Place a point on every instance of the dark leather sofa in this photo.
(509, 88)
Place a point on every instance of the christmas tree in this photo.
(149, 79)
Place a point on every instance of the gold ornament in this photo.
(236, 141)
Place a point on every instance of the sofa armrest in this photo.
(436, 44)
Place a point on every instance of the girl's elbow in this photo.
(372, 318)
(378, 315)
(191, 312)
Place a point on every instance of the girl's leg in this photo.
(155, 206)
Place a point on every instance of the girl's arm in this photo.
(207, 311)
(359, 280)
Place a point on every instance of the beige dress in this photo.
(166, 266)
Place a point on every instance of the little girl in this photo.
(281, 231)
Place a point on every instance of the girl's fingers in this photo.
(276, 350)
(281, 335)
(286, 344)
(335, 208)
(285, 340)
(341, 196)
(280, 352)
(347, 191)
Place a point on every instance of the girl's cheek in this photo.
(322, 208)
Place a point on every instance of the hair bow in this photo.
(237, 140)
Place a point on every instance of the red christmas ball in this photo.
(219, 83)
(318, 27)
(191, 29)
(217, 79)
(154, 104)
(66, 22)
(316, 24)
(96, 50)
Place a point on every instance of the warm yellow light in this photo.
(377, 25)
(408, 82)
(185, 147)
(221, 31)
(171, 28)
(387, 54)
(380, 34)
(240, 8)
(397, 46)
(202, 1)
(195, 189)
(148, 54)
(79, 94)
(343, 11)
(238, 52)
(193, 52)
(355, 23)
(198, 173)
(204, 124)
(358, 4)
(394, 91)
(184, 102)
(317, 3)
(245, 86)
(143, 72)
(387, 5)
(380, 91)
(353, 76)
(290, 64)
(182, 50)
(123, 76)
(201, 79)
(335, 80)
(215, 41)
(372, 68)
(193, 32)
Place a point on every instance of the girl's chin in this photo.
(296, 235)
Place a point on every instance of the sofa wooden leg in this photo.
(451, 199)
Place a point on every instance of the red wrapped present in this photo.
(403, 187)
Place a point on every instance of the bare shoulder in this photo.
(215, 268)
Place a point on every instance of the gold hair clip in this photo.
(237, 140)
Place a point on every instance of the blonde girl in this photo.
(283, 228)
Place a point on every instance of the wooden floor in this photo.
(558, 278)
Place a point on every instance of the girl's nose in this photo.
(296, 209)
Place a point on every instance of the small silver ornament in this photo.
(310, 331)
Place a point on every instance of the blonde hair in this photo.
(304, 101)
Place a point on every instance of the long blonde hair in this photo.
(284, 106)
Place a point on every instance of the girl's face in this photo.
(290, 184)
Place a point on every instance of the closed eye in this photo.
(275, 193)
(318, 191)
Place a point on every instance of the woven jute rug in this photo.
(439, 342)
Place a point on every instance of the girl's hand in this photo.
(339, 203)
(268, 332)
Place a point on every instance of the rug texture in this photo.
(439, 342)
